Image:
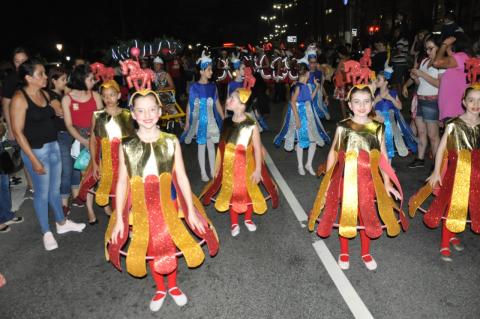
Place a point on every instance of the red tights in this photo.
(160, 279)
(447, 238)
(365, 244)
(234, 215)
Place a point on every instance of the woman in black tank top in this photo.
(34, 129)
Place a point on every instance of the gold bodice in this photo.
(461, 136)
(154, 158)
(354, 136)
(107, 126)
(238, 133)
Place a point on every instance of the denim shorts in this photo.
(428, 110)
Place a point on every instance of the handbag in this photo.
(10, 160)
(82, 160)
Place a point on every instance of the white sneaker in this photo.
(301, 171)
(250, 225)
(49, 241)
(69, 226)
(309, 169)
(235, 229)
(181, 299)
(155, 305)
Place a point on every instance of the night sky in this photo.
(92, 25)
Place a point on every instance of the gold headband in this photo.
(243, 94)
(144, 92)
(360, 87)
(110, 84)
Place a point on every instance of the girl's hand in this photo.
(84, 142)
(449, 41)
(392, 191)
(38, 167)
(95, 170)
(405, 91)
(434, 179)
(297, 123)
(256, 176)
(117, 231)
(195, 222)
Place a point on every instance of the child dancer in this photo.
(240, 166)
(109, 126)
(457, 176)
(150, 169)
(204, 116)
(319, 103)
(300, 125)
(388, 106)
(358, 179)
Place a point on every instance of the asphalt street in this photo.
(272, 273)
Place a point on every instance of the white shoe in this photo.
(69, 226)
(250, 225)
(205, 178)
(445, 257)
(181, 299)
(155, 305)
(372, 264)
(301, 171)
(458, 246)
(344, 265)
(310, 170)
(235, 229)
(49, 241)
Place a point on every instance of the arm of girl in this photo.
(92, 146)
(219, 107)
(331, 153)
(120, 196)
(67, 117)
(18, 112)
(436, 174)
(186, 190)
(98, 100)
(257, 147)
(386, 180)
(443, 61)
(396, 102)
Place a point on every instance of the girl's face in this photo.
(472, 102)
(431, 49)
(207, 73)
(110, 96)
(60, 83)
(146, 111)
(312, 64)
(90, 81)
(39, 78)
(241, 70)
(381, 82)
(360, 103)
(234, 104)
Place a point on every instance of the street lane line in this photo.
(344, 286)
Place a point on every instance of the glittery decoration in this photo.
(240, 197)
(321, 196)
(313, 129)
(107, 126)
(88, 180)
(137, 250)
(397, 136)
(222, 203)
(302, 132)
(191, 250)
(458, 209)
(366, 199)
(349, 213)
(202, 122)
(332, 202)
(354, 136)
(461, 136)
(474, 198)
(285, 127)
(105, 184)
(389, 143)
(256, 196)
(160, 243)
(384, 202)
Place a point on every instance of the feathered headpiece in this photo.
(387, 72)
(235, 60)
(303, 60)
(311, 51)
(245, 92)
(204, 61)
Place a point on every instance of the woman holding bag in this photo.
(32, 120)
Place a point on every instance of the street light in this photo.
(59, 47)
(67, 58)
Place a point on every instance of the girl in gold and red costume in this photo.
(108, 128)
(456, 178)
(358, 180)
(151, 170)
(239, 167)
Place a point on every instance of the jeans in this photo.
(6, 213)
(65, 141)
(46, 186)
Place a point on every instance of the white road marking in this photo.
(344, 286)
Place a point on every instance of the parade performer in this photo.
(456, 178)
(238, 73)
(398, 135)
(358, 179)
(300, 125)
(339, 80)
(109, 127)
(204, 116)
(240, 167)
(319, 100)
(151, 169)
